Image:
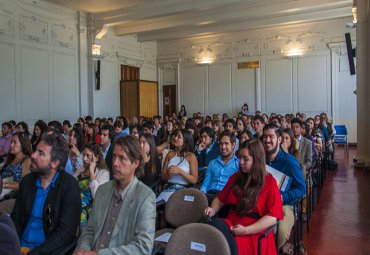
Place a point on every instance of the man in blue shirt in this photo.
(48, 206)
(220, 169)
(208, 149)
(287, 164)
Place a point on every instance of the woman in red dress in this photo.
(255, 200)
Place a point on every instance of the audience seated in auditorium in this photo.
(152, 163)
(231, 126)
(48, 206)
(208, 149)
(254, 203)
(180, 168)
(5, 140)
(17, 164)
(287, 164)
(38, 129)
(76, 143)
(220, 169)
(122, 220)
(106, 141)
(302, 145)
(258, 124)
(93, 174)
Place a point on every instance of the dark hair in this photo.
(56, 125)
(118, 124)
(66, 122)
(7, 124)
(131, 147)
(12, 123)
(91, 138)
(95, 149)
(79, 133)
(148, 124)
(111, 131)
(88, 118)
(260, 118)
(26, 148)
(247, 186)
(36, 139)
(229, 134)
(291, 136)
(245, 131)
(188, 141)
(208, 131)
(59, 147)
(230, 121)
(24, 125)
(153, 151)
(296, 120)
(275, 127)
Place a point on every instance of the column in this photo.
(363, 84)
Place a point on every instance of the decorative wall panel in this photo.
(6, 23)
(193, 87)
(219, 88)
(312, 89)
(34, 84)
(247, 48)
(246, 89)
(63, 36)
(33, 29)
(7, 82)
(65, 96)
(279, 86)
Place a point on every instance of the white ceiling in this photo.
(168, 19)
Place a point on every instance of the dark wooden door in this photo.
(169, 100)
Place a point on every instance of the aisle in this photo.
(340, 223)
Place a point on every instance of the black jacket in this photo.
(62, 207)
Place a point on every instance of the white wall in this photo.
(282, 84)
(46, 69)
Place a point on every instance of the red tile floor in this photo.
(340, 223)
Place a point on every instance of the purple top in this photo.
(5, 142)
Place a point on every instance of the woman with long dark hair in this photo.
(93, 174)
(76, 144)
(17, 164)
(152, 167)
(180, 168)
(38, 129)
(255, 203)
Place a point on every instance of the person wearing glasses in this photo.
(122, 220)
(48, 205)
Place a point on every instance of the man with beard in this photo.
(287, 164)
(221, 168)
(48, 206)
(122, 220)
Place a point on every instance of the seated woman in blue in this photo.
(17, 164)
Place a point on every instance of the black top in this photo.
(150, 178)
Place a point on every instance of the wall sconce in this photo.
(95, 49)
(294, 53)
(354, 14)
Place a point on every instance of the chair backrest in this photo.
(7, 205)
(197, 238)
(340, 129)
(185, 206)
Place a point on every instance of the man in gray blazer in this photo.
(304, 146)
(122, 220)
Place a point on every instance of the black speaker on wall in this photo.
(97, 75)
(351, 53)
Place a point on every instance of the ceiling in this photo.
(169, 19)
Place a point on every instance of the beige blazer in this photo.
(135, 226)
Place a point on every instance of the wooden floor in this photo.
(340, 223)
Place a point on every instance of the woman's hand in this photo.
(209, 211)
(173, 170)
(239, 230)
(74, 150)
(92, 168)
(201, 147)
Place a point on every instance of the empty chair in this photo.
(341, 135)
(197, 238)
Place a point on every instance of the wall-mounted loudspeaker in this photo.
(97, 75)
